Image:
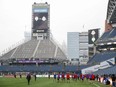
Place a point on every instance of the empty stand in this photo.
(99, 57)
(25, 50)
(110, 70)
(46, 49)
(36, 49)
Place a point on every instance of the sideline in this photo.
(1, 76)
(93, 83)
(96, 85)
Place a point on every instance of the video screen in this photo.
(93, 35)
(40, 19)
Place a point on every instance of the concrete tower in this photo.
(41, 21)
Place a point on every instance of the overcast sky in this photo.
(65, 16)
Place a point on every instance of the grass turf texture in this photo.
(45, 82)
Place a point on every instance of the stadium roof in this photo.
(111, 11)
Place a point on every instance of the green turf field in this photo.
(45, 82)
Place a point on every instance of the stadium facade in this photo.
(41, 49)
(73, 46)
(104, 59)
(77, 47)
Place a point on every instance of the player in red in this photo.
(63, 77)
(75, 76)
(68, 77)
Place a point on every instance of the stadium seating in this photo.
(108, 36)
(57, 68)
(99, 57)
(111, 70)
(46, 49)
(25, 50)
(40, 68)
(112, 34)
(60, 55)
(105, 34)
(42, 49)
(7, 55)
(70, 68)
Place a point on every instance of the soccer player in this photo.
(68, 77)
(63, 77)
(58, 76)
(82, 78)
(20, 75)
(28, 78)
(15, 75)
(75, 76)
(35, 76)
(113, 80)
(55, 76)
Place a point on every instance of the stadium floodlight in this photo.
(105, 49)
(101, 44)
(109, 43)
(114, 42)
(112, 48)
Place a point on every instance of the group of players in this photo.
(62, 77)
(68, 76)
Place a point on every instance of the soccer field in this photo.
(45, 82)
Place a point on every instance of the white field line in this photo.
(94, 84)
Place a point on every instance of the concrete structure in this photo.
(41, 48)
(77, 47)
(83, 47)
(73, 46)
(41, 21)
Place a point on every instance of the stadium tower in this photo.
(41, 49)
(111, 15)
(41, 21)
